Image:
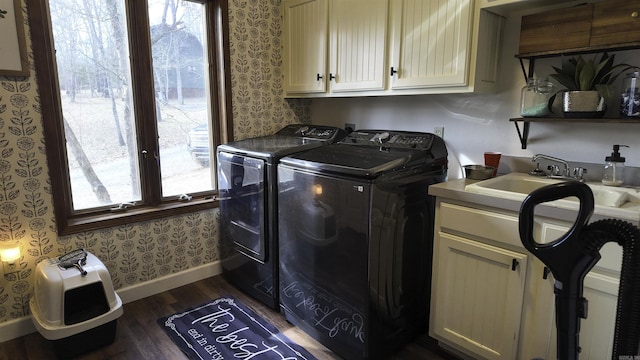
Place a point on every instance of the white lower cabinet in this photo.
(538, 336)
(492, 299)
(596, 332)
(538, 333)
(479, 297)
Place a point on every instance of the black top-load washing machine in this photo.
(247, 183)
(356, 239)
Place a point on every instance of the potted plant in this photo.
(588, 84)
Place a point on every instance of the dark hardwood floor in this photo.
(139, 337)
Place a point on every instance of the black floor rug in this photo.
(227, 329)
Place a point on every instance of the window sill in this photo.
(94, 221)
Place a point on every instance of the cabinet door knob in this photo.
(393, 71)
(318, 77)
(514, 264)
(634, 14)
(331, 76)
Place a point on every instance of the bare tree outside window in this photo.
(138, 129)
(95, 88)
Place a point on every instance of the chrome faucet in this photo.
(556, 173)
(555, 169)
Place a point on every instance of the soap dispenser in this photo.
(613, 174)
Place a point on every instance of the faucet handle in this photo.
(537, 171)
(554, 169)
(579, 172)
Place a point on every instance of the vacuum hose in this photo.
(627, 330)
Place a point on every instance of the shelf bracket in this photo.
(524, 134)
(528, 74)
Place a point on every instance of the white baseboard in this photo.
(171, 281)
(16, 328)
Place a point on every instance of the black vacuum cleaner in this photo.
(573, 255)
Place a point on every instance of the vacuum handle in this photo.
(550, 193)
(566, 258)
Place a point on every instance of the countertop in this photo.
(455, 190)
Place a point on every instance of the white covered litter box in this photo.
(74, 303)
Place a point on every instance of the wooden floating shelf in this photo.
(581, 50)
(524, 133)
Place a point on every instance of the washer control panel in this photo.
(391, 139)
(312, 131)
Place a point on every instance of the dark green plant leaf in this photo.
(617, 71)
(580, 63)
(606, 91)
(576, 73)
(586, 76)
(565, 80)
(603, 69)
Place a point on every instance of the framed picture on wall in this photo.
(13, 50)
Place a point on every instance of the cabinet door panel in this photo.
(478, 296)
(538, 313)
(305, 45)
(615, 22)
(596, 332)
(358, 31)
(542, 31)
(430, 42)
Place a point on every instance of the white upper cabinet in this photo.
(444, 46)
(305, 45)
(358, 50)
(430, 42)
(389, 47)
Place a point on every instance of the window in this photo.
(134, 106)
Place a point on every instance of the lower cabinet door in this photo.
(538, 335)
(477, 297)
(538, 314)
(597, 330)
(537, 341)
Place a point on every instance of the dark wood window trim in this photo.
(70, 221)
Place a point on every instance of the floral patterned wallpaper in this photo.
(256, 72)
(136, 252)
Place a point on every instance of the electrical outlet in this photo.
(349, 127)
(439, 131)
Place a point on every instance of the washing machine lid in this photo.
(289, 140)
(272, 146)
(370, 153)
(352, 160)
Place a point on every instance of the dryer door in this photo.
(241, 182)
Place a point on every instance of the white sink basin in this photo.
(517, 186)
